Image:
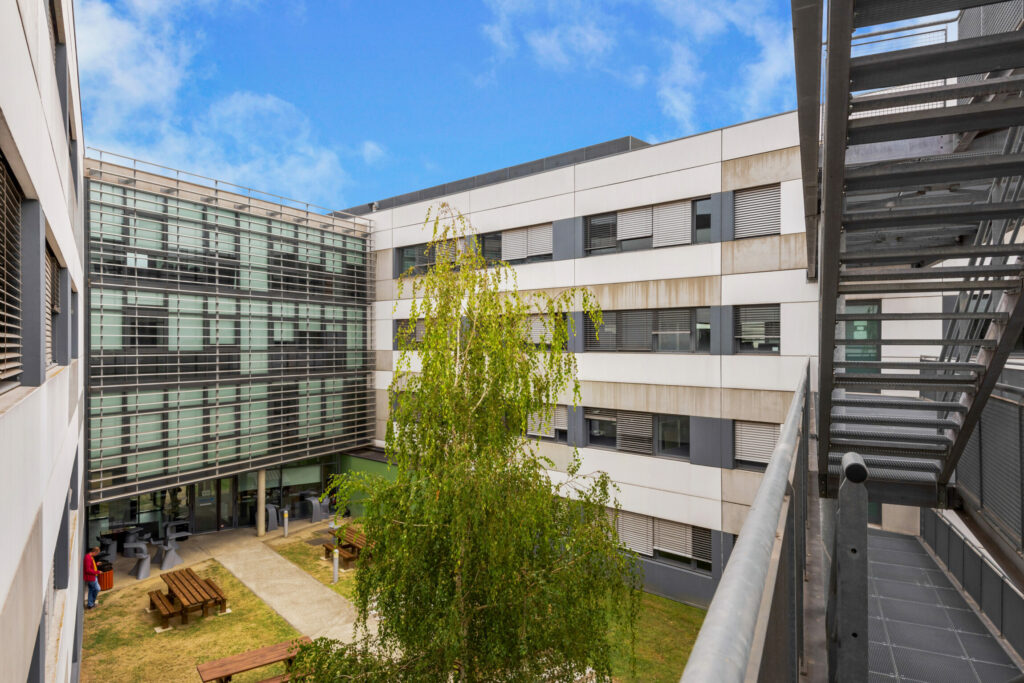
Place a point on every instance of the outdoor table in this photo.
(191, 591)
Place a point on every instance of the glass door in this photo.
(206, 506)
(226, 518)
(867, 330)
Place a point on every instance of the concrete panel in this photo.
(520, 215)
(799, 325)
(761, 169)
(654, 398)
(697, 150)
(733, 516)
(559, 454)
(384, 264)
(383, 334)
(667, 187)
(528, 188)
(699, 260)
(751, 255)
(740, 486)
(380, 432)
(680, 369)
(672, 476)
(763, 135)
(384, 290)
(382, 360)
(22, 606)
(381, 223)
(791, 200)
(669, 293)
(793, 251)
(762, 372)
(416, 214)
(755, 405)
(759, 288)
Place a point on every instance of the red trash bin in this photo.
(106, 576)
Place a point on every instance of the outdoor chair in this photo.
(318, 513)
(167, 556)
(139, 550)
(271, 517)
(173, 538)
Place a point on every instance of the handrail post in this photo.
(848, 641)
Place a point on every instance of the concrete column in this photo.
(33, 294)
(261, 502)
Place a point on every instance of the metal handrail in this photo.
(726, 639)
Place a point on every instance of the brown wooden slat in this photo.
(246, 661)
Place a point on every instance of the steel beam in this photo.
(837, 102)
(918, 173)
(993, 52)
(938, 93)
(876, 12)
(945, 214)
(929, 122)
(935, 254)
(807, 57)
(946, 286)
(874, 274)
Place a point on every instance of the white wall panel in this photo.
(524, 214)
(675, 369)
(529, 188)
(768, 287)
(694, 260)
(763, 372)
(696, 150)
(763, 135)
(792, 200)
(382, 221)
(414, 214)
(799, 324)
(667, 187)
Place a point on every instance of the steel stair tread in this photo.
(938, 93)
(875, 12)
(937, 272)
(936, 121)
(919, 172)
(917, 439)
(937, 315)
(909, 365)
(894, 421)
(895, 463)
(930, 286)
(931, 254)
(899, 403)
(986, 343)
(938, 215)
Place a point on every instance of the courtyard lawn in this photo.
(119, 643)
(309, 558)
(666, 631)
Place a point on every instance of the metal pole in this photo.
(286, 524)
(335, 579)
(851, 571)
(261, 502)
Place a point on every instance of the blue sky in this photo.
(341, 102)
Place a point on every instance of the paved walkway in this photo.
(311, 607)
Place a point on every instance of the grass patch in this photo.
(119, 643)
(309, 558)
(666, 631)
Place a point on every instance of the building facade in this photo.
(41, 366)
(695, 251)
(228, 337)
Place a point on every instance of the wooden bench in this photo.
(222, 670)
(159, 601)
(222, 599)
(350, 538)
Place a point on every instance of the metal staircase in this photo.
(919, 206)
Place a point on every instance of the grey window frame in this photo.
(738, 335)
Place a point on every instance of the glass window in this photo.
(702, 331)
(490, 246)
(601, 432)
(636, 244)
(600, 234)
(702, 221)
(757, 329)
(674, 435)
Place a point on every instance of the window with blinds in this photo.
(634, 432)
(664, 539)
(10, 278)
(52, 284)
(600, 234)
(634, 224)
(753, 442)
(527, 245)
(671, 224)
(554, 426)
(757, 212)
(757, 329)
(679, 330)
(414, 333)
(636, 532)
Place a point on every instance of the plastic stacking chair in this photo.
(140, 551)
(271, 517)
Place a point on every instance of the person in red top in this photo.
(91, 574)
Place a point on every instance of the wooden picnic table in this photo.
(192, 592)
(222, 670)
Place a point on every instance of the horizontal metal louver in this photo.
(540, 425)
(514, 244)
(673, 537)
(50, 278)
(755, 441)
(10, 276)
(671, 224)
(599, 414)
(636, 532)
(561, 420)
(446, 251)
(757, 212)
(601, 233)
(634, 223)
(603, 339)
(536, 329)
(539, 240)
(674, 320)
(758, 327)
(634, 432)
(701, 544)
(634, 330)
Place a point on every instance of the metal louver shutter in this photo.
(968, 470)
(672, 224)
(758, 325)
(421, 330)
(539, 240)
(446, 252)
(514, 244)
(634, 432)
(50, 277)
(634, 330)
(538, 425)
(636, 532)
(561, 420)
(601, 232)
(1001, 465)
(536, 329)
(673, 537)
(701, 543)
(634, 223)
(757, 212)
(606, 340)
(10, 276)
(755, 441)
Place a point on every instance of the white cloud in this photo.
(676, 86)
(135, 62)
(372, 152)
(561, 46)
